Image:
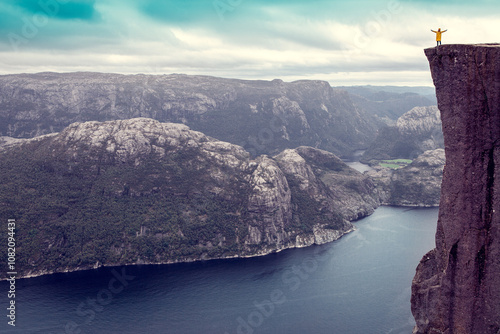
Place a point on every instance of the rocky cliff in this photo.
(141, 191)
(456, 288)
(415, 132)
(264, 117)
(417, 184)
(328, 180)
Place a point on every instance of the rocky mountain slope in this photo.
(387, 104)
(456, 288)
(415, 132)
(262, 116)
(141, 191)
(418, 184)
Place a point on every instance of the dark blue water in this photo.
(358, 284)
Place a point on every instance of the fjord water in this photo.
(357, 284)
(354, 162)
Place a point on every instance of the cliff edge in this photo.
(456, 288)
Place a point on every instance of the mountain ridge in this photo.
(263, 116)
(140, 191)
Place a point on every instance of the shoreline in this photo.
(292, 246)
(114, 265)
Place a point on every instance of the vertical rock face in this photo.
(457, 285)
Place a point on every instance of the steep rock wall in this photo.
(456, 288)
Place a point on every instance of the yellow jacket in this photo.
(438, 34)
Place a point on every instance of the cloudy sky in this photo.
(344, 42)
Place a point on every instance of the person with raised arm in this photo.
(438, 35)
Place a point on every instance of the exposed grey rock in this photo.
(420, 121)
(269, 203)
(417, 184)
(329, 181)
(6, 141)
(415, 132)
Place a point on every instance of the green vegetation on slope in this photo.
(79, 213)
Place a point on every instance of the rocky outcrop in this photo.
(417, 184)
(456, 288)
(141, 191)
(420, 121)
(264, 117)
(329, 181)
(415, 132)
(4, 141)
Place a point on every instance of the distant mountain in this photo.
(140, 191)
(264, 117)
(388, 103)
(415, 132)
(426, 91)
